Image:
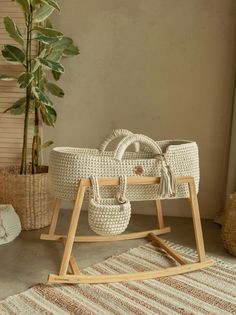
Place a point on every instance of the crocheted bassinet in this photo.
(156, 158)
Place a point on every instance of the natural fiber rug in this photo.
(208, 291)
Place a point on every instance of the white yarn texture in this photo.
(68, 165)
(109, 216)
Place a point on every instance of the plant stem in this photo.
(36, 144)
(23, 169)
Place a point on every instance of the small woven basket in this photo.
(29, 195)
(229, 226)
(109, 216)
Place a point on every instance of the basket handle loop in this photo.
(95, 186)
(128, 140)
(117, 133)
(123, 185)
(121, 195)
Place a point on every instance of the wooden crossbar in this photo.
(69, 239)
(159, 242)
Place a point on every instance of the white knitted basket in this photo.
(109, 216)
(10, 226)
(68, 165)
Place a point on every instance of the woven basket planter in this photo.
(29, 195)
(229, 227)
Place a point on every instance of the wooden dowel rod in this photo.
(137, 180)
(72, 230)
(55, 215)
(108, 238)
(143, 275)
(159, 242)
(197, 221)
(73, 263)
(160, 219)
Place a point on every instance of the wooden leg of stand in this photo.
(196, 221)
(73, 263)
(55, 215)
(160, 219)
(159, 242)
(72, 229)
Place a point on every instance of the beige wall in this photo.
(159, 67)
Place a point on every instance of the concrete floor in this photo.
(28, 260)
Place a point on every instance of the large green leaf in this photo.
(13, 30)
(42, 13)
(47, 40)
(48, 114)
(48, 31)
(58, 48)
(35, 2)
(43, 53)
(25, 5)
(36, 65)
(13, 54)
(5, 77)
(46, 144)
(55, 89)
(41, 96)
(25, 79)
(52, 3)
(56, 75)
(48, 24)
(64, 47)
(71, 50)
(55, 55)
(63, 44)
(17, 108)
(52, 65)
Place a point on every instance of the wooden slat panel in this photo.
(11, 127)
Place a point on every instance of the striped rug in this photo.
(209, 291)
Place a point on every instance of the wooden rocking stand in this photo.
(68, 240)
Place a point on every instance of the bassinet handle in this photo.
(121, 198)
(134, 138)
(167, 185)
(117, 133)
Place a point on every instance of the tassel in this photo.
(173, 184)
(167, 186)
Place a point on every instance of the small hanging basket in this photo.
(109, 216)
(229, 226)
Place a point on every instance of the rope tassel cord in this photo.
(167, 186)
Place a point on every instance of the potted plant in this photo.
(26, 186)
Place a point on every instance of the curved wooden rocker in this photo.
(68, 240)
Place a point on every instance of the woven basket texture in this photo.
(29, 195)
(229, 227)
(68, 165)
(108, 217)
